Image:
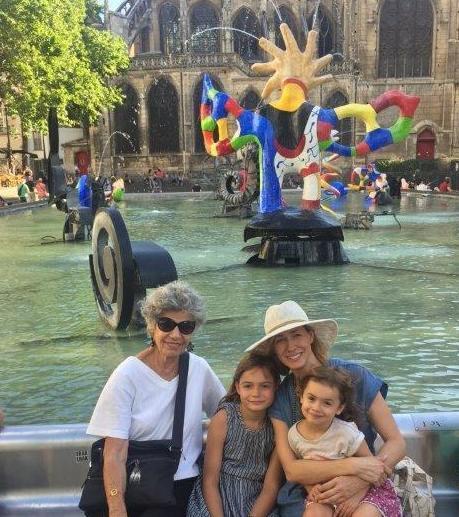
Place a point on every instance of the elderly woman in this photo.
(137, 403)
(300, 345)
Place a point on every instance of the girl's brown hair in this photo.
(342, 381)
(249, 362)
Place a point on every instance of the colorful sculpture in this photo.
(368, 178)
(84, 191)
(291, 133)
(363, 176)
(118, 195)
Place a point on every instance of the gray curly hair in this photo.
(175, 296)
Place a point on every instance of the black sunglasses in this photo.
(168, 325)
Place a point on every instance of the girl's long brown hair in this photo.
(249, 362)
(343, 382)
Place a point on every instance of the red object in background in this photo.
(160, 173)
(243, 178)
(82, 161)
(425, 145)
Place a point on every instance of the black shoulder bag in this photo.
(150, 465)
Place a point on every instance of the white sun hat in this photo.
(289, 315)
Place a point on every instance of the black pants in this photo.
(182, 492)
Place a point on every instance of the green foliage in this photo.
(428, 170)
(94, 12)
(50, 58)
(404, 167)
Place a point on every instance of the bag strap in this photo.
(179, 410)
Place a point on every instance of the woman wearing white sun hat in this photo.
(301, 344)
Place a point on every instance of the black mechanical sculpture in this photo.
(239, 190)
(79, 219)
(122, 270)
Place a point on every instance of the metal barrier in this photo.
(42, 467)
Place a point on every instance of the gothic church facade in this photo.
(410, 45)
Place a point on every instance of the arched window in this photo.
(169, 29)
(197, 94)
(288, 18)
(345, 125)
(425, 145)
(405, 38)
(250, 100)
(144, 38)
(127, 123)
(325, 45)
(244, 45)
(163, 104)
(203, 16)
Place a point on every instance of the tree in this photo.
(49, 57)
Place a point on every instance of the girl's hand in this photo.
(371, 469)
(314, 494)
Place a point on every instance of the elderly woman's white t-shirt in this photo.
(138, 404)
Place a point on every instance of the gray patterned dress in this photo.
(245, 460)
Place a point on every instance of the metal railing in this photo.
(42, 467)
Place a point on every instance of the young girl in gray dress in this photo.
(242, 473)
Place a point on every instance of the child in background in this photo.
(325, 394)
(23, 191)
(242, 473)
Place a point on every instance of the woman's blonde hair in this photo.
(319, 350)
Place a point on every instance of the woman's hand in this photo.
(339, 489)
(349, 506)
(371, 469)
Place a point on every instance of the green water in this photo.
(396, 304)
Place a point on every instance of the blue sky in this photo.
(114, 4)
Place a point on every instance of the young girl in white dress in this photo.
(324, 395)
(242, 473)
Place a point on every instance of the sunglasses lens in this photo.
(168, 325)
(186, 327)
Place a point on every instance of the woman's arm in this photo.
(115, 456)
(266, 501)
(311, 472)
(382, 420)
(216, 436)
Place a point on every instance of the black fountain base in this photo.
(293, 237)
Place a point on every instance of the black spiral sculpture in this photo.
(121, 271)
(230, 195)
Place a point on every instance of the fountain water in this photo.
(196, 34)
(315, 16)
(234, 29)
(277, 10)
(124, 135)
